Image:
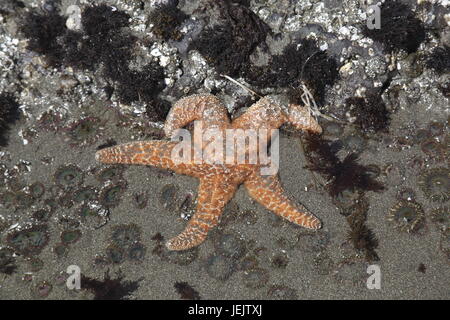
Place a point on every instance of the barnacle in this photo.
(407, 216)
(70, 236)
(111, 194)
(435, 184)
(68, 177)
(29, 241)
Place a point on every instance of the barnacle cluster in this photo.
(104, 29)
(407, 216)
(435, 184)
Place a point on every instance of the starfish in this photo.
(219, 182)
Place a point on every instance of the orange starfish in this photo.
(218, 182)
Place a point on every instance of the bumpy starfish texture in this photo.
(219, 182)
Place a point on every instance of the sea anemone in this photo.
(435, 184)
(407, 216)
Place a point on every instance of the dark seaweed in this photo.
(104, 42)
(9, 114)
(303, 61)
(186, 291)
(229, 44)
(166, 21)
(439, 60)
(362, 238)
(109, 289)
(347, 174)
(370, 112)
(400, 29)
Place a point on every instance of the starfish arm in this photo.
(268, 192)
(214, 193)
(207, 108)
(155, 153)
